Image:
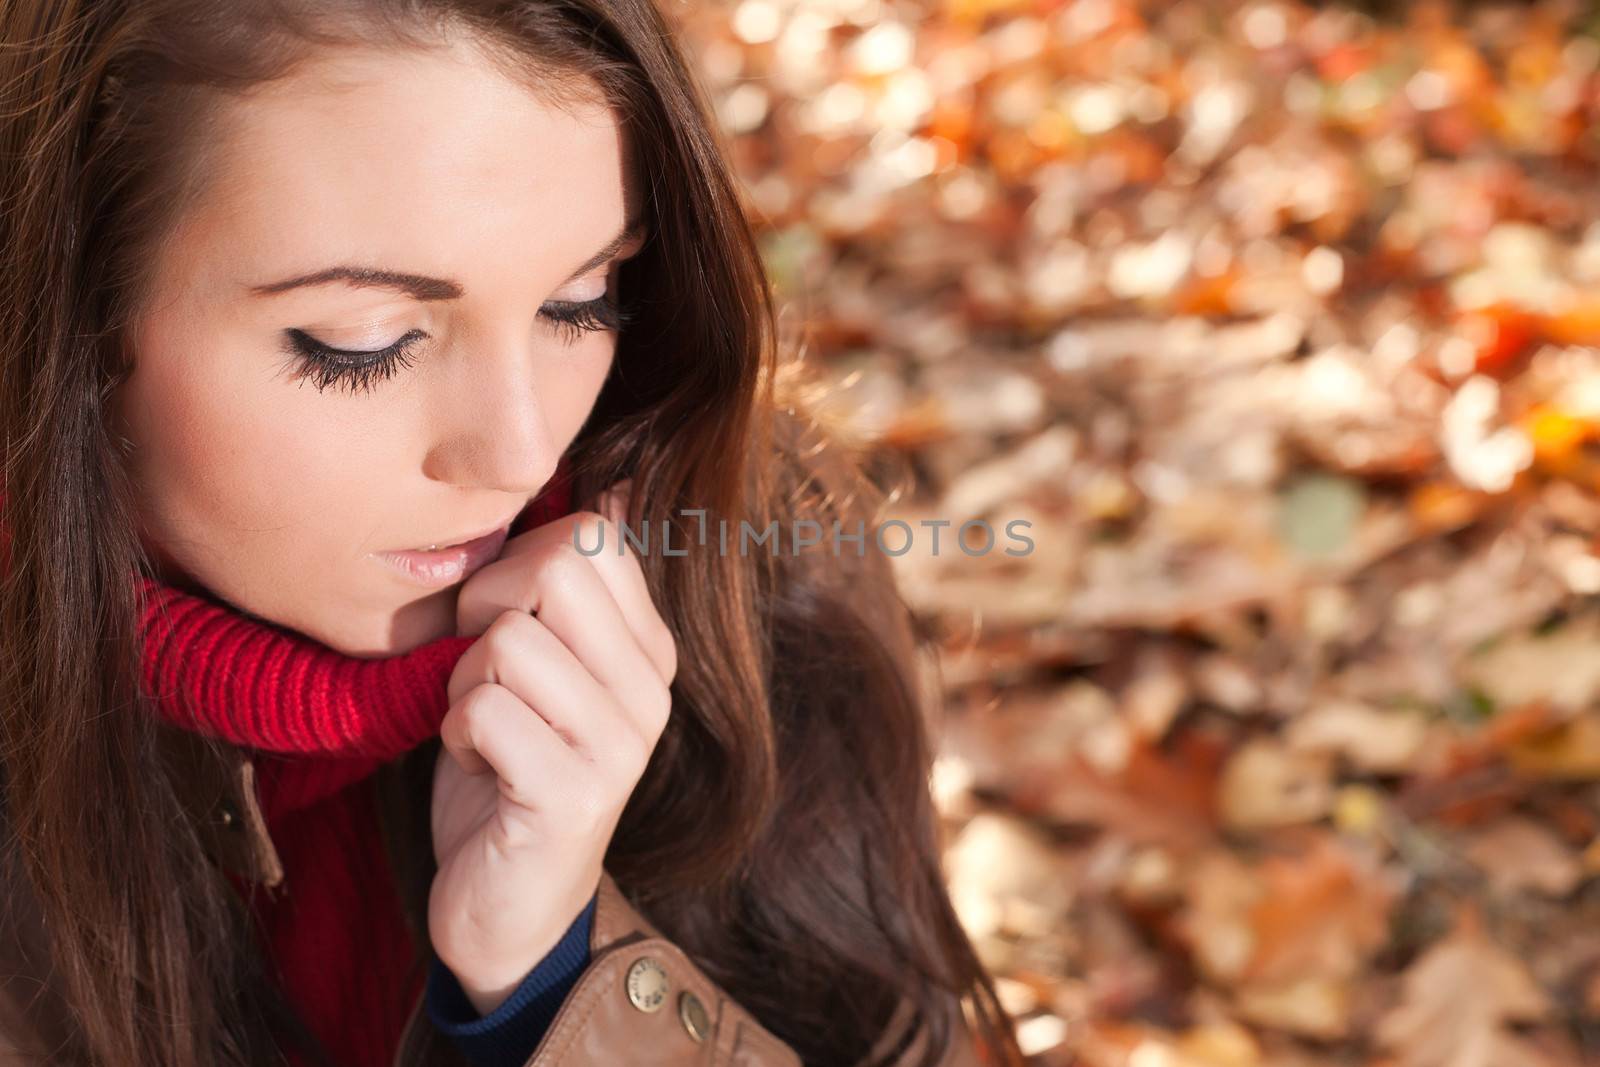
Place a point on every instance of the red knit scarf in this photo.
(322, 722)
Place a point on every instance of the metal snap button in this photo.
(647, 984)
(693, 1014)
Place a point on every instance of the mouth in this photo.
(437, 566)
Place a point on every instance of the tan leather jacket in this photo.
(640, 1001)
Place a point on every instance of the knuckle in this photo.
(477, 707)
(552, 566)
(506, 634)
(561, 557)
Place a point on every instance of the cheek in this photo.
(573, 391)
(226, 459)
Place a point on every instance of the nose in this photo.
(493, 428)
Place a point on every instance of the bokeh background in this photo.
(1278, 323)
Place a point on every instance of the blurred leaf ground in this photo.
(1278, 325)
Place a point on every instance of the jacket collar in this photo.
(216, 785)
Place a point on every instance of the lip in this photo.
(450, 564)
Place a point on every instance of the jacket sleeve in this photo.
(508, 1034)
(641, 1001)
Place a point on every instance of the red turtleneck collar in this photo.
(321, 722)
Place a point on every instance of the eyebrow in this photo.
(424, 288)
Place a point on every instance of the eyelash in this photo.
(362, 371)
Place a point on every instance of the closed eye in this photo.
(362, 370)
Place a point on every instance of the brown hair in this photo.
(785, 816)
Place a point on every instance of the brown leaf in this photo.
(1324, 912)
(1457, 1001)
(1155, 798)
(1267, 784)
(1518, 854)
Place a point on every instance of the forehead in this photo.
(407, 158)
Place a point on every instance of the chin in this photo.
(418, 623)
(367, 625)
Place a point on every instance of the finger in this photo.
(515, 580)
(569, 596)
(629, 586)
(615, 558)
(522, 654)
(491, 725)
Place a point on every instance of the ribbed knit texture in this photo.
(321, 722)
(507, 1036)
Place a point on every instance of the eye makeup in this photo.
(363, 371)
(359, 371)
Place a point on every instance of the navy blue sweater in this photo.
(507, 1036)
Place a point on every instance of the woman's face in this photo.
(475, 211)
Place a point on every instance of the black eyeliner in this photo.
(363, 370)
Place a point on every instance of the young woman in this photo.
(333, 334)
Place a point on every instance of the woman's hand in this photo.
(553, 716)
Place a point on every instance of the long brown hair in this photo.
(783, 833)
